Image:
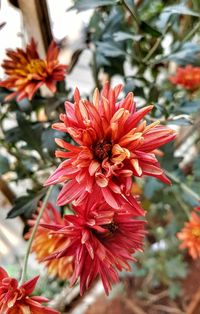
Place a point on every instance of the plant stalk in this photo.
(24, 270)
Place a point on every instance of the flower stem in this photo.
(192, 32)
(157, 43)
(132, 12)
(183, 186)
(24, 270)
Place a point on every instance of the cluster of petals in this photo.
(15, 299)
(45, 243)
(27, 72)
(188, 77)
(112, 144)
(190, 236)
(101, 241)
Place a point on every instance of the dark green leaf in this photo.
(31, 134)
(4, 165)
(26, 205)
(149, 29)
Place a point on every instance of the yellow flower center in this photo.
(35, 65)
(196, 232)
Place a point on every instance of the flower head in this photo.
(15, 299)
(101, 241)
(45, 243)
(27, 72)
(113, 144)
(190, 236)
(188, 77)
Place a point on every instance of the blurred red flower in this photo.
(190, 236)
(102, 241)
(45, 243)
(188, 77)
(27, 72)
(15, 299)
(114, 144)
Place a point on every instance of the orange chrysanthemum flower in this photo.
(27, 72)
(113, 143)
(190, 236)
(188, 77)
(44, 243)
(15, 299)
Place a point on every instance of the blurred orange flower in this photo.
(45, 243)
(188, 77)
(16, 299)
(27, 72)
(190, 236)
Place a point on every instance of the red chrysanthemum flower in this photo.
(102, 241)
(190, 236)
(114, 144)
(188, 77)
(45, 243)
(15, 299)
(27, 72)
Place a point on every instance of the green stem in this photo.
(183, 186)
(182, 204)
(157, 43)
(132, 12)
(192, 32)
(187, 37)
(24, 270)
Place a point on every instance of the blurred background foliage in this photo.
(140, 43)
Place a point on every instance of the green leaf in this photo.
(181, 121)
(48, 139)
(4, 165)
(26, 204)
(176, 267)
(180, 9)
(150, 30)
(187, 54)
(121, 36)
(31, 134)
(81, 5)
(109, 49)
(174, 290)
(190, 106)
